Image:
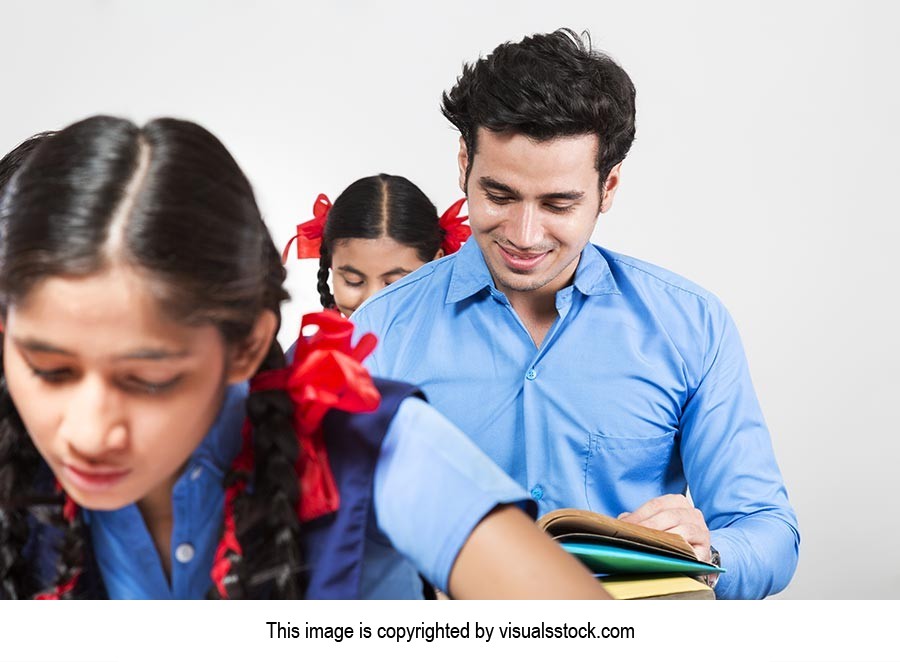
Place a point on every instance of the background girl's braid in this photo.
(325, 295)
(18, 463)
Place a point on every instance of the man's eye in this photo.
(557, 209)
(499, 199)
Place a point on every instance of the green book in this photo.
(610, 559)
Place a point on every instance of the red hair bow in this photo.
(309, 234)
(325, 373)
(455, 233)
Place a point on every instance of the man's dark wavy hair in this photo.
(546, 86)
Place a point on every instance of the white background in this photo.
(765, 169)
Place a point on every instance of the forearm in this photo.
(507, 557)
(760, 554)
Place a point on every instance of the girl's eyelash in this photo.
(153, 388)
(352, 284)
(53, 376)
(132, 384)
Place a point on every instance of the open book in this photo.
(630, 559)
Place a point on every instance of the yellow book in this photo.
(656, 587)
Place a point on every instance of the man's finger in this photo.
(655, 505)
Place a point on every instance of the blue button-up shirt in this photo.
(640, 388)
(432, 486)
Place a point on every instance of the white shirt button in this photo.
(184, 553)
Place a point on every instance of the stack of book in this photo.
(632, 561)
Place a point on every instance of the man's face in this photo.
(533, 206)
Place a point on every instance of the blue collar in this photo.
(470, 273)
(223, 441)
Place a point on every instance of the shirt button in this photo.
(195, 474)
(184, 553)
(531, 374)
(537, 492)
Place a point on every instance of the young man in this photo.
(595, 380)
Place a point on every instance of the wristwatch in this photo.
(716, 559)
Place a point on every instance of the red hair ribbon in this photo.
(455, 233)
(229, 544)
(325, 373)
(309, 234)
(70, 512)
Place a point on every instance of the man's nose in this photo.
(94, 423)
(524, 229)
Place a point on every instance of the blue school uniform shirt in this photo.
(431, 487)
(639, 389)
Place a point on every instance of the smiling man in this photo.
(595, 380)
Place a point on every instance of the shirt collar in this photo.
(223, 441)
(470, 273)
(593, 275)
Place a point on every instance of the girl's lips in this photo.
(521, 261)
(94, 480)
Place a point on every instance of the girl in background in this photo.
(379, 229)
(154, 441)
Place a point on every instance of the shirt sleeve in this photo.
(433, 486)
(732, 472)
(363, 324)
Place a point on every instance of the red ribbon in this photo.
(229, 544)
(455, 233)
(309, 234)
(325, 373)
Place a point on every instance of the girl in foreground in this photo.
(379, 229)
(140, 292)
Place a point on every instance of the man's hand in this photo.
(675, 514)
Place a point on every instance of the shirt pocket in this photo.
(621, 473)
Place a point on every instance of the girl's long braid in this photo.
(276, 492)
(19, 462)
(72, 554)
(265, 519)
(325, 295)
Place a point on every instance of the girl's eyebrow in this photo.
(351, 270)
(152, 355)
(396, 271)
(148, 353)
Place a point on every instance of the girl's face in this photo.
(114, 395)
(362, 267)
